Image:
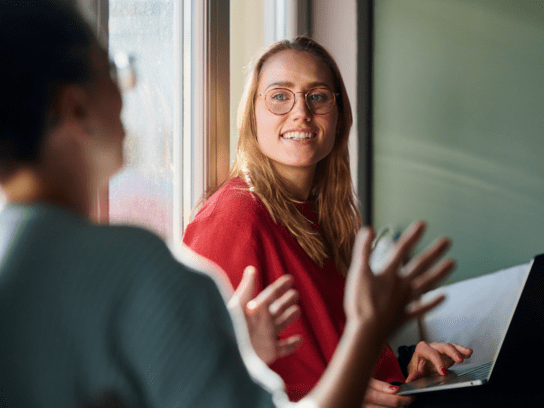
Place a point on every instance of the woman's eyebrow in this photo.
(283, 84)
(286, 84)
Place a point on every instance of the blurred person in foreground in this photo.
(94, 315)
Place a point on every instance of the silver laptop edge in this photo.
(420, 384)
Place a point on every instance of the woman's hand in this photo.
(268, 314)
(383, 297)
(376, 305)
(435, 358)
(382, 394)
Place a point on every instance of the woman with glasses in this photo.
(288, 207)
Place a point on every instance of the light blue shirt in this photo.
(86, 309)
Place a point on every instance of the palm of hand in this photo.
(264, 338)
(382, 295)
(268, 314)
(385, 296)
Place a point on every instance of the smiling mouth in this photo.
(298, 135)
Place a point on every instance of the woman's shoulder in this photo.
(229, 227)
(233, 203)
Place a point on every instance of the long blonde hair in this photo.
(332, 189)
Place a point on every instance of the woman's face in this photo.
(299, 139)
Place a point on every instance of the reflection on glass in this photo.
(142, 193)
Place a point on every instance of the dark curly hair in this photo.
(43, 45)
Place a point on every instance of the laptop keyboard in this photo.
(475, 373)
(459, 376)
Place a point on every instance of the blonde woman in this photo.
(289, 207)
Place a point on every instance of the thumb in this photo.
(245, 290)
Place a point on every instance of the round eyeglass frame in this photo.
(335, 95)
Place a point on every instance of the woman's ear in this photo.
(72, 106)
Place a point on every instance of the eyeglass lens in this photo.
(281, 101)
(123, 71)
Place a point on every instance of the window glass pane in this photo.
(142, 193)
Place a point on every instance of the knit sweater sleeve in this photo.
(194, 360)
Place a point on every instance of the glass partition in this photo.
(458, 122)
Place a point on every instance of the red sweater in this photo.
(234, 229)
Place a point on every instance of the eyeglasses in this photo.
(123, 71)
(280, 101)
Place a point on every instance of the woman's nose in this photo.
(300, 108)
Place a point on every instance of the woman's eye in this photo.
(317, 97)
(280, 96)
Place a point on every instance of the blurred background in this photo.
(459, 125)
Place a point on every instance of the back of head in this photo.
(43, 45)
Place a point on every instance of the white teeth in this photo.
(298, 135)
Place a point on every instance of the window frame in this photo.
(364, 109)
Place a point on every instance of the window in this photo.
(142, 193)
(174, 118)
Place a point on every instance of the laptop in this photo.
(519, 352)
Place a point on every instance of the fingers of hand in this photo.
(418, 366)
(422, 275)
(424, 283)
(429, 352)
(285, 301)
(288, 346)
(435, 357)
(362, 248)
(286, 318)
(413, 376)
(416, 310)
(358, 269)
(465, 351)
(272, 292)
(382, 386)
(452, 353)
(424, 261)
(244, 291)
(382, 394)
(406, 244)
(284, 310)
